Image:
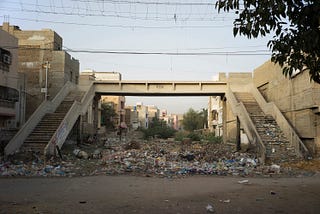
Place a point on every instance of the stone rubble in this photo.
(147, 158)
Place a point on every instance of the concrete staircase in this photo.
(43, 132)
(278, 148)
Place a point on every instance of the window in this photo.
(5, 59)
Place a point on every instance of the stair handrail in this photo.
(240, 110)
(16, 142)
(87, 98)
(62, 132)
(45, 107)
(272, 109)
(69, 120)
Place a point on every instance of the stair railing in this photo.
(61, 134)
(44, 108)
(68, 122)
(272, 109)
(240, 110)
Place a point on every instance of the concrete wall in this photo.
(297, 98)
(237, 82)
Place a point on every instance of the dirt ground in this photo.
(132, 194)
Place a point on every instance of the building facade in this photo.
(45, 65)
(12, 84)
(215, 115)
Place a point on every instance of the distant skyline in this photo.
(145, 40)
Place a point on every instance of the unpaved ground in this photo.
(130, 194)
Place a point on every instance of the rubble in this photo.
(147, 158)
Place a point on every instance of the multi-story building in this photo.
(153, 112)
(12, 85)
(132, 117)
(142, 115)
(45, 65)
(118, 104)
(215, 115)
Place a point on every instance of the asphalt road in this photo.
(130, 194)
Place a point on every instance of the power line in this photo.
(229, 53)
(124, 26)
(212, 53)
(88, 11)
(149, 2)
(168, 18)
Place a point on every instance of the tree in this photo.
(158, 128)
(193, 120)
(107, 115)
(295, 23)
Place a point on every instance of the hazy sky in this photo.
(172, 29)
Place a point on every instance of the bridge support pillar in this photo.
(238, 140)
(224, 120)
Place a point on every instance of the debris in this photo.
(210, 208)
(273, 192)
(96, 154)
(158, 157)
(80, 154)
(275, 168)
(132, 145)
(243, 182)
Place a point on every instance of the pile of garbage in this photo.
(147, 158)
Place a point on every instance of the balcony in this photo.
(7, 108)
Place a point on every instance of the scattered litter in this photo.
(243, 181)
(210, 208)
(162, 158)
(273, 192)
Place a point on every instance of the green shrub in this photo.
(212, 138)
(180, 135)
(194, 136)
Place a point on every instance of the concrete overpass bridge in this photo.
(49, 126)
(160, 88)
(80, 102)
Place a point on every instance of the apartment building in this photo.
(12, 84)
(45, 65)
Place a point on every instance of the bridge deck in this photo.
(160, 88)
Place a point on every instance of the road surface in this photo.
(130, 194)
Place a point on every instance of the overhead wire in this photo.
(86, 11)
(212, 53)
(123, 26)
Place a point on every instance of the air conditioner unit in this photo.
(6, 59)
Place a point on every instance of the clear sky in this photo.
(188, 40)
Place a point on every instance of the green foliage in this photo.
(194, 120)
(295, 23)
(212, 138)
(194, 136)
(180, 135)
(107, 115)
(158, 128)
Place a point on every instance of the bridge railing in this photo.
(240, 111)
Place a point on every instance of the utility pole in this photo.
(47, 66)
